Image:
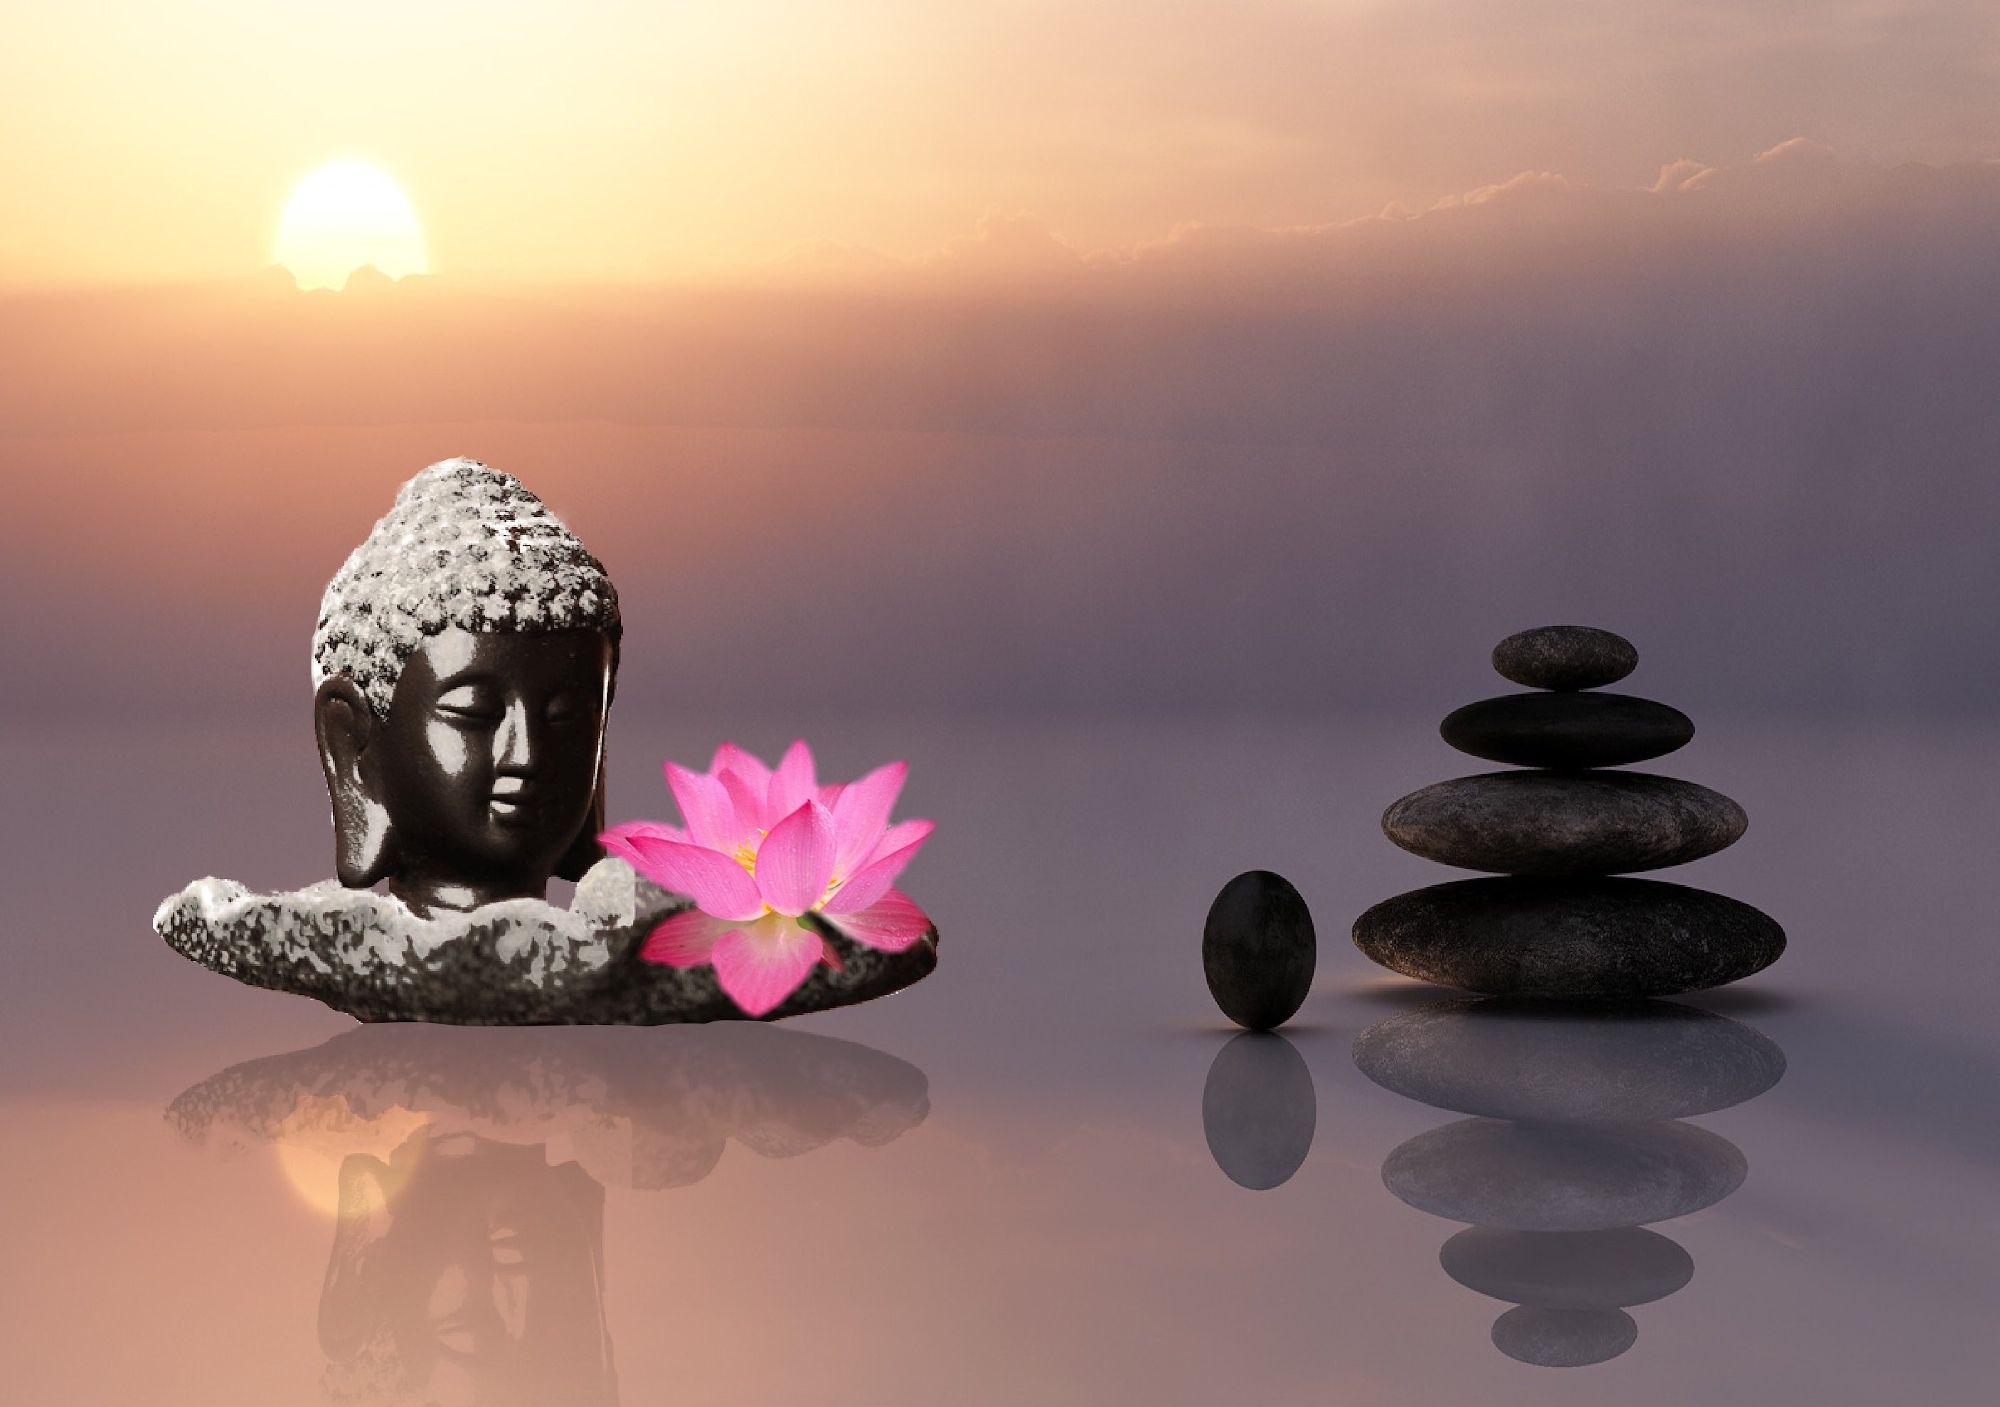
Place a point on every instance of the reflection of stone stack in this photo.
(1575, 1146)
(1557, 924)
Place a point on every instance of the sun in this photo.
(344, 216)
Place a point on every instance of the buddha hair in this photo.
(463, 545)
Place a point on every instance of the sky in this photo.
(1743, 415)
(622, 140)
(1007, 356)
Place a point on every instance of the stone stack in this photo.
(1577, 1144)
(1561, 921)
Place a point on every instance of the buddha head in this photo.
(463, 669)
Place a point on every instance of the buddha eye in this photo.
(470, 704)
(568, 708)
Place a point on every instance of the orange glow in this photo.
(322, 1133)
(347, 216)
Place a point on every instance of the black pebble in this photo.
(1567, 730)
(1564, 823)
(1569, 938)
(1258, 950)
(1565, 657)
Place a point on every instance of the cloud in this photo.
(1014, 242)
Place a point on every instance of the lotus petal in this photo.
(618, 838)
(716, 883)
(711, 814)
(891, 923)
(685, 940)
(861, 815)
(752, 779)
(792, 782)
(900, 836)
(874, 878)
(796, 860)
(762, 963)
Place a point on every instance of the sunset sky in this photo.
(615, 140)
(1278, 354)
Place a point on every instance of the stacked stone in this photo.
(1561, 923)
(1576, 1146)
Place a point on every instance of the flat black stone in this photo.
(1569, 938)
(1563, 1177)
(1567, 730)
(1611, 1269)
(1563, 1338)
(1258, 1110)
(1565, 657)
(1516, 1058)
(1564, 823)
(1258, 950)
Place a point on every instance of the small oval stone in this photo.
(1569, 938)
(1565, 657)
(1567, 730)
(1258, 950)
(1258, 1110)
(1517, 1058)
(1563, 1338)
(1563, 1177)
(1564, 823)
(1611, 1269)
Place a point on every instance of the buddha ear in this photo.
(584, 851)
(344, 725)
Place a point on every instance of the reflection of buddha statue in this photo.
(466, 1271)
(463, 667)
(468, 1264)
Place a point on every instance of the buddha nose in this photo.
(514, 744)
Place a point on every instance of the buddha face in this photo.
(484, 776)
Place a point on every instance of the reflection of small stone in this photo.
(1564, 823)
(1565, 657)
(1563, 1177)
(1569, 938)
(1567, 730)
(1258, 1110)
(1509, 1058)
(1610, 1269)
(1563, 1338)
(1258, 950)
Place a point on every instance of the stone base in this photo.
(518, 963)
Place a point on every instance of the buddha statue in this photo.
(463, 668)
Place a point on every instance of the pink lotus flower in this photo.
(762, 848)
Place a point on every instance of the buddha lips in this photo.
(762, 848)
